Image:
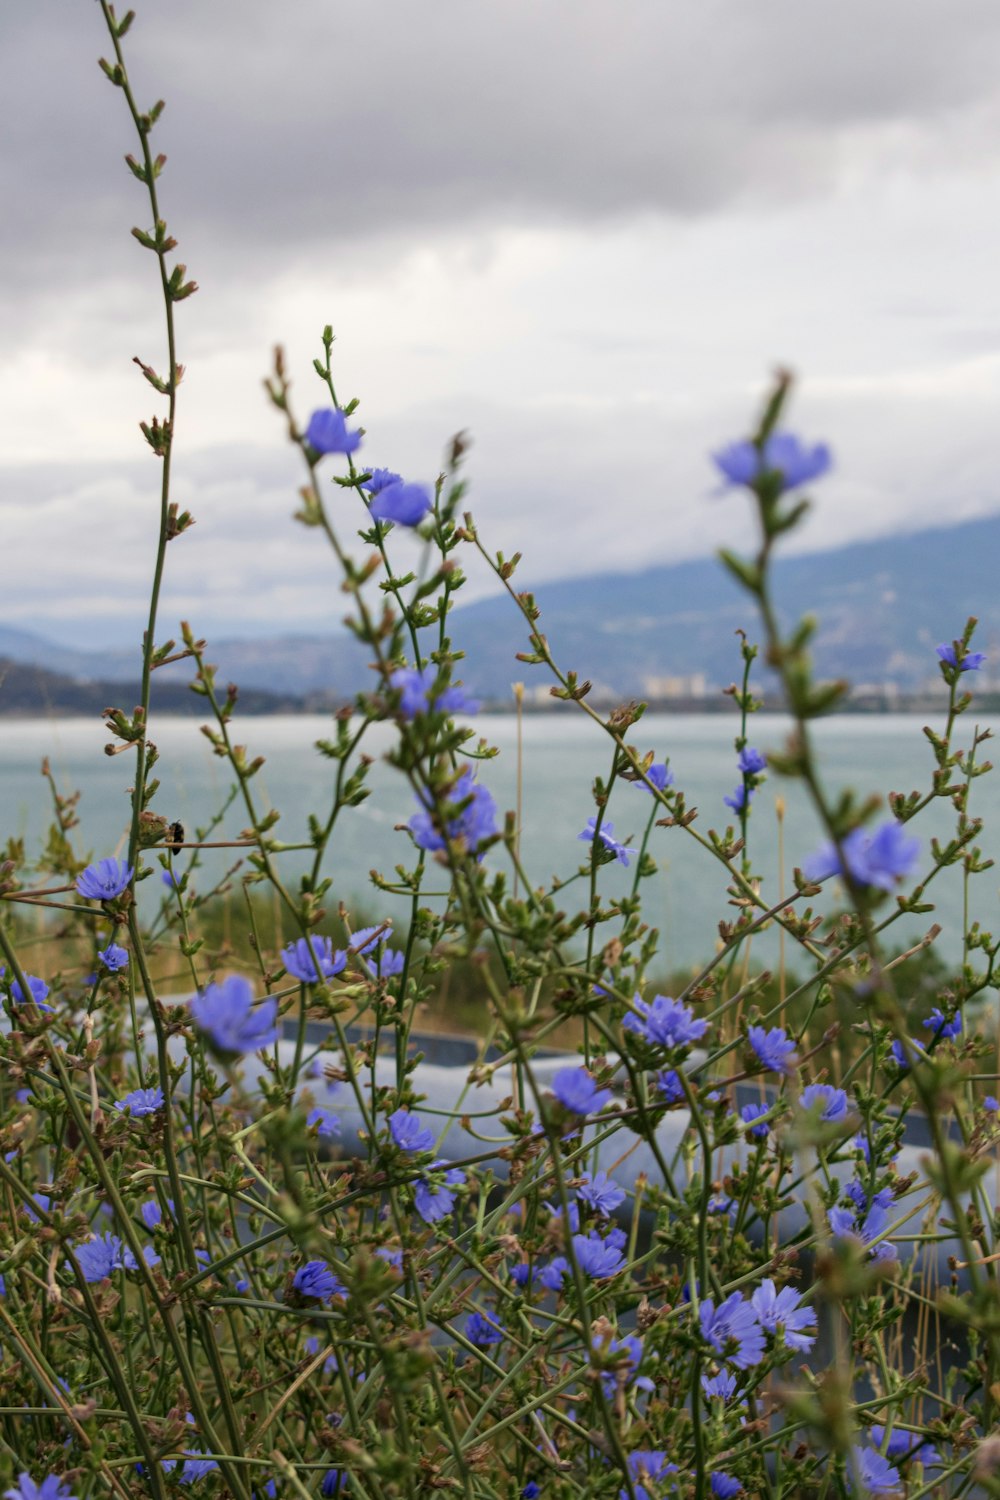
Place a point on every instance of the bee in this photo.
(175, 837)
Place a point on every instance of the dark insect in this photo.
(175, 837)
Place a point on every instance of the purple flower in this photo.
(833, 1101)
(380, 479)
(903, 1445)
(315, 1279)
(531, 1490)
(402, 502)
(724, 1486)
(775, 1050)
(113, 957)
(878, 1477)
(741, 798)
(99, 1256)
(780, 1312)
(327, 1123)
(877, 859)
(969, 663)
(105, 880)
(481, 1332)
(408, 1133)
(141, 1102)
(660, 775)
(669, 1023)
(432, 1198)
(419, 693)
(49, 1488)
(782, 454)
(597, 1257)
(732, 1330)
(751, 1113)
(751, 762)
(225, 1014)
(601, 1193)
(312, 959)
(473, 824)
(942, 1027)
(606, 836)
(991, 1104)
(328, 433)
(578, 1093)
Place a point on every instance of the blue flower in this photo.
(225, 1013)
(878, 1477)
(328, 432)
(408, 1133)
(315, 1279)
(660, 775)
(666, 1022)
(578, 1093)
(670, 1086)
(783, 454)
(380, 479)
(113, 957)
(196, 1466)
(898, 1051)
(649, 1467)
(405, 503)
(751, 762)
(864, 1227)
(368, 938)
(969, 663)
(904, 1445)
(751, 1113)
(625, 1370)
(780, 1312)
(606, 836)
(834, 1101)
(419, 694)
(481, 1332)
(991, 1104)
(43, 1201)
(99, 1256)
(741, 798)
(775, 1050)
(38, 989)
(49, 1488)
(334, 1480)
(105, 880)
(149, 1255)
(601, 1193)
(151, 1213)
(432, 1198)
(327, 1123)
(876, 859)
(597, 1257)
(473, 824)
(724, 1486)
(942, 1027)
(721, 1387)
(531, 1490)
(312, 959)
(141, 1102)
(732, 1330)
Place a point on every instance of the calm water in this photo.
(563, 754)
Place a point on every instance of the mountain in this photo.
(29, 690)
(665, 633)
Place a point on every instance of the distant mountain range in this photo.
(666, 633)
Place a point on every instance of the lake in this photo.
(563, 754)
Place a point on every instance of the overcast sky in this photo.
(584, 231)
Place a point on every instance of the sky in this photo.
(584, 233)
